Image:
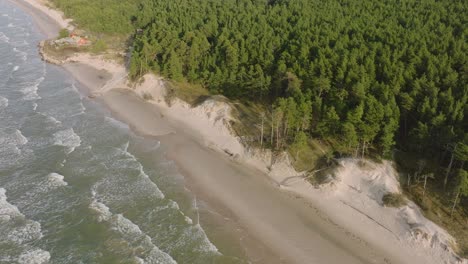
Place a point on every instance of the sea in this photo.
(76, 185)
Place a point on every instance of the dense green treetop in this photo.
(366, 75)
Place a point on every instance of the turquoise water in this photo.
(76, 186)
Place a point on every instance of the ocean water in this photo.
(76, 186)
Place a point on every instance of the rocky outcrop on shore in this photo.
(47, 58)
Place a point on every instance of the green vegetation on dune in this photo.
(102, 16)
(346, 77)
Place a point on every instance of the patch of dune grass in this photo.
(396, 200)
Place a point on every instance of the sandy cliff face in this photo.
(357, 185)
(361, 186)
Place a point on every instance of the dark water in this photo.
(76, 186)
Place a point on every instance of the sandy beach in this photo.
(286, 219)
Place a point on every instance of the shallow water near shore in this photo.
(76, 185)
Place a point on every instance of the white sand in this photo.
(343, 222)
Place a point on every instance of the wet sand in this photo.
(286, 224)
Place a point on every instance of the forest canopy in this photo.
(366, 75)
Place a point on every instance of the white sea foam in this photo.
(22, 232)
(34, 106)
(7, 210)
(142, 173)
(125, 146)
(10, 25)
(53, 119)
(26, 233)
(13, 139)
(49, 118)
(56, 180)
(20, 138)
(4, 38)
(188, 220)
(30, 91)
(23, 54)
(206, 245)
(131, 233)
(103, 212)
(16, 68)
(35, 256)
(198, 232)
(157, 191)
(173, 205)
(68, 139)
(3, 102)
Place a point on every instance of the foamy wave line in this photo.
(30, 91)
(24, 55)
(7, 210)
(131, 233)
(35, 256)
(67, 138)
(207, 246)
(51, 118)
(142, 171)
(3, 102)
(22, 235)
(56, 180)
(17, 138)
(20, 138)
(83, 108)
(4, 38)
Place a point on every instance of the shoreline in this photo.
(317, 231)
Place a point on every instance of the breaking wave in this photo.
(3, 102)
(15, 139)
(30, 91)
(4, 38)
(16, 230)
(35, 256)
(132, 234)
(68, 139)
(56, 180)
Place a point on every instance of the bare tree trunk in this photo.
(363, 148)
(455, 203)
(261, 134)
(425, 181)
(421, 165)
(409, 180)
(277, 135)
(356, 152)
(141, 68)
(285, 129)
(449, 167)
(272, 127)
